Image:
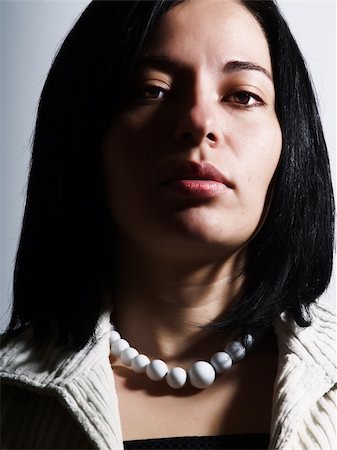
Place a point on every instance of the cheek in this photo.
(259, 165)
(118, 168)
(127, 170)
(123, 152)
(132, 142)
(271, 147)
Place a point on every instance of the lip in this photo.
(199, 179)
(191, 170)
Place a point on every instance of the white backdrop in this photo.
(30, 34)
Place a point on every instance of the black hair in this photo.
(67, 250)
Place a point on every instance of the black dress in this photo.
(231, 441)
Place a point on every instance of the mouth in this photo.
(198, 179)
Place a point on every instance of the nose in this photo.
(198, 124)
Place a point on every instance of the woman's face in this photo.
(191, 157)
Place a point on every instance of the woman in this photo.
(179, 187)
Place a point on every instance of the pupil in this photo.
(152, 92)
(243, 97)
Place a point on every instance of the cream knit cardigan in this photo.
(55, 400)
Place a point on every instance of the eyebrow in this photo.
(168, 63)
(235, 66)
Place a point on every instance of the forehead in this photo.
(210, 33)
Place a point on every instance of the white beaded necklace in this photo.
(201, 374)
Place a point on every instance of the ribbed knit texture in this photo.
(50, 420)
(306, 383)
(53, 400)
(82, 382)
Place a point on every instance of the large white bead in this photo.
(139, 363)
(127, 355)
(201, 374)
(176, 377)
(117, 347)
(156, 370)
(221, 362)
(114, 336)
(235, 350)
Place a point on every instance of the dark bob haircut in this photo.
(68, 249)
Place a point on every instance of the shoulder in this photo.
(61, 384)
(316, 426)
(315, 345)
(21, 361)
(32, 420)
(305, 387)
(322, 315)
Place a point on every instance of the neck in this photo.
(160, 305)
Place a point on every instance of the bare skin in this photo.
(182, 265)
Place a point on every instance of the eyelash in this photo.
(257, 100)
(140, 95)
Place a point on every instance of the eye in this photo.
(245, 99)
(150, 93)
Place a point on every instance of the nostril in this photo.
(211, 137)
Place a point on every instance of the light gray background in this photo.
(30, 34)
